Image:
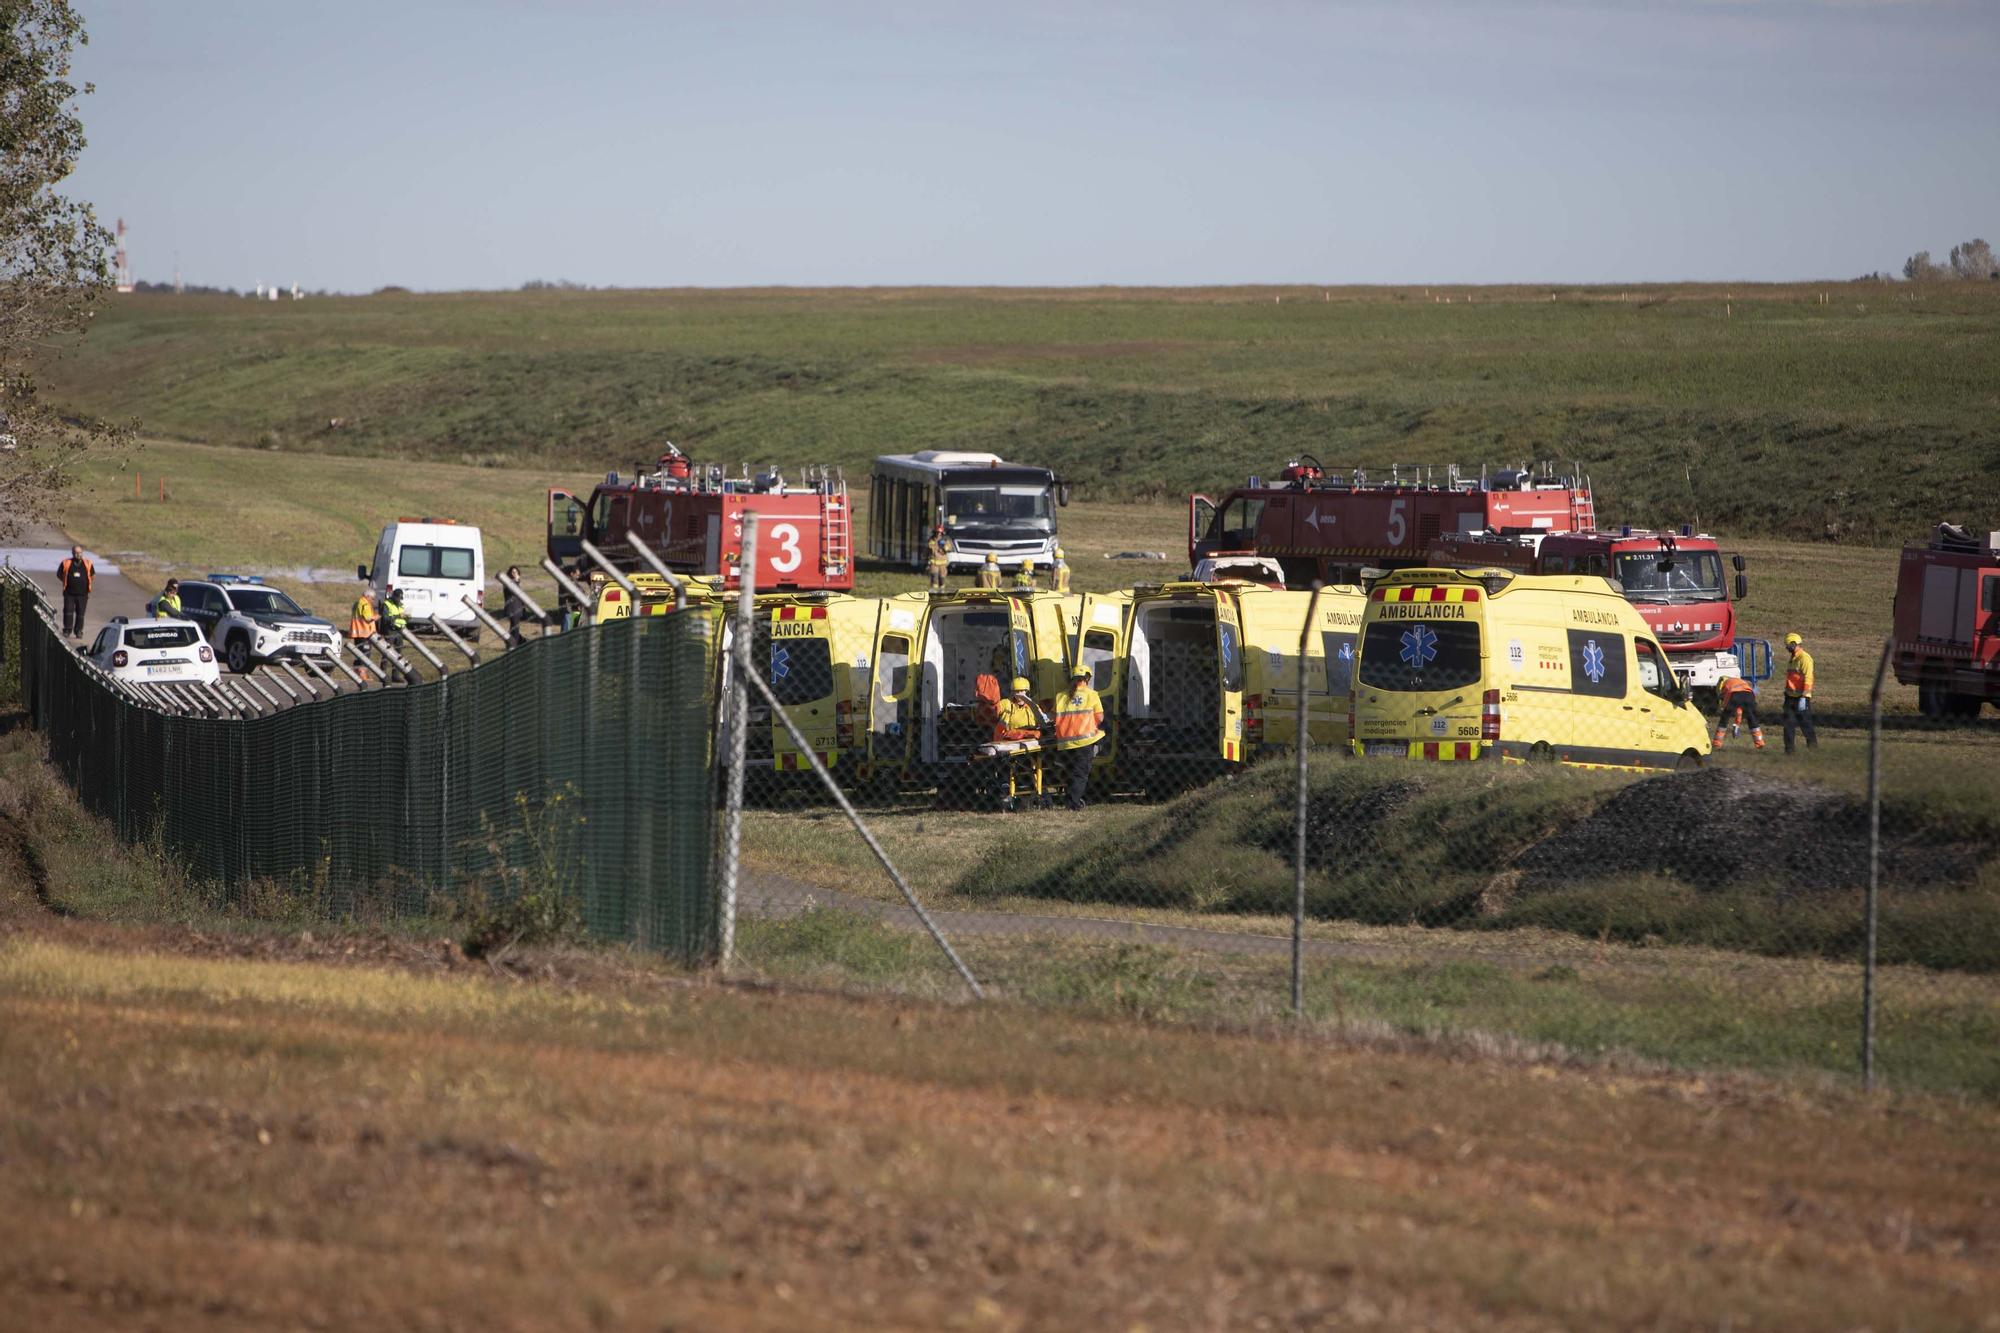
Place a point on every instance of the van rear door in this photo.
(794, 654)
(1099, 647)
(892, 693)
(1229, 677)
(1422, 671)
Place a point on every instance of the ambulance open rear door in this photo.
(1100, 647)
(892, 691)
(1229, 678)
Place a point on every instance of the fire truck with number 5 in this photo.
(691, 516)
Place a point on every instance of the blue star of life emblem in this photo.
(1593, 661)
(1347, 652)
(781, 663)
(1420, 645)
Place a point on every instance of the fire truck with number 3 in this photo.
(691, 516)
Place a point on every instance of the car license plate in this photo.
(1392, 749)
(162, 670)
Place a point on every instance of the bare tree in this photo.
(1973, 259)
(1919, 268)
(54, 255)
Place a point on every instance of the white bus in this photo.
(986, 505)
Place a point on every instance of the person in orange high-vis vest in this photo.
(1079, 726)
(77, 576)
(361, 627)
(1798, 693)
(1738, 696)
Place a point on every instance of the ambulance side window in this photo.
(1099, 648)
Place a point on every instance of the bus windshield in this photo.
(1691, 576)
(1013, 506)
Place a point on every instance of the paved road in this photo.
(40, 549)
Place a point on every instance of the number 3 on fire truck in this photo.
(786, 536)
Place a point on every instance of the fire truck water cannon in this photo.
(691, 514)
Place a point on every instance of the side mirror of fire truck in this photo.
(1742, 587)
(1736, 563)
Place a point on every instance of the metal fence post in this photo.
(739, 708)
(1874, 865)
(1300, 743)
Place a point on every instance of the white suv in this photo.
(250, 623)
(153, 650)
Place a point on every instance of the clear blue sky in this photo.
(449, 145)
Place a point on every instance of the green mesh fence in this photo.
(575, 766)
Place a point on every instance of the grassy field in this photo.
(257, 1126)
(1863, 411)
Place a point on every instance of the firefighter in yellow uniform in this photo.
(1798, 694)
(1019, 720)
(940, 561)
(989, 574)
(1738, 696)
(1024, 577)
(1079, 726)
(1059, 573)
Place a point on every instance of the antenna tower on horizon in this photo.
(124, 271)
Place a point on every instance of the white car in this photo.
(154, 651)
(250, 622)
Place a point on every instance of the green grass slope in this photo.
(1859, 411)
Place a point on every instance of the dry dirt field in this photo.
(241, 1132)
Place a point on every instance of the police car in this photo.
(249, 622)
(153, 650)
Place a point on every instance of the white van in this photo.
(437, 563)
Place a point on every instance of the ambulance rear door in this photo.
(1099, 647)
(795, 657)
(893, 678)
(1229, 674)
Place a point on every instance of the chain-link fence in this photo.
(571, 776)
(1480, 808)
(1510, 823)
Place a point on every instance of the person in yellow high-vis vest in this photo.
(1798, 693)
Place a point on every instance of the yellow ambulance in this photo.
(811, 647)
(924, 710)
(1471, 664)
(1207, 676)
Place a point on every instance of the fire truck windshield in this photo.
(1690, 576)
(1008, 506)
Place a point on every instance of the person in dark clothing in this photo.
(76, 575)
(514, 609)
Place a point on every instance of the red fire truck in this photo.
(691, 515)
(1328, 525)
(1678, 581)
(1947, 621)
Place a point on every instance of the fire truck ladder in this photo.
(836, 541)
